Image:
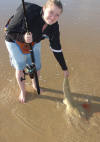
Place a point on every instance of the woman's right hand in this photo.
(28, 37)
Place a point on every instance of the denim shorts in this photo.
(19, 60)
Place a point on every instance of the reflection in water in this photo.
(43, 118)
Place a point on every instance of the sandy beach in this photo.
(43, 118)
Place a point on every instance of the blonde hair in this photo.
(58, 3)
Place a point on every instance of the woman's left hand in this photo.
(66, 73)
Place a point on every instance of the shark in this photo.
(72, 108)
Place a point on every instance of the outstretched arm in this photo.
(60, 58)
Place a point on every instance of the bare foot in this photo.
(22, 98)
(35, 89)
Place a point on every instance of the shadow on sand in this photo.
(94, 101)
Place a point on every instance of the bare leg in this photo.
(34, 84)
(21, 84)
(33, 81)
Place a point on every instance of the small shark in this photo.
(71, 108)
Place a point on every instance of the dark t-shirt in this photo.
(17, 28)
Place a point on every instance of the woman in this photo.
(42, 23)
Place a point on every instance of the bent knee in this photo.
(19, 73)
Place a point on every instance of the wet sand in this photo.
(43, 118)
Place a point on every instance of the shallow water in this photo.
(44, 118)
